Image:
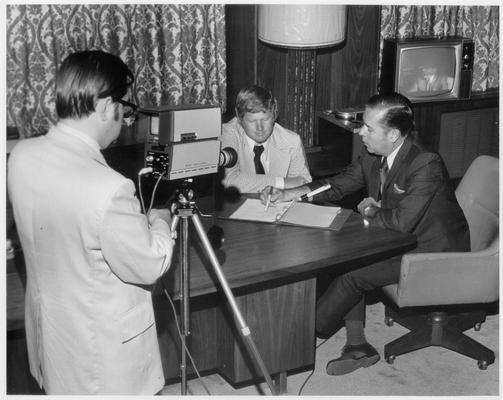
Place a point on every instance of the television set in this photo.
(428, 69)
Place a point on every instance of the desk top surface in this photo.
(255, 253)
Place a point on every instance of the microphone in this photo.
(315, 192)
(228, 157)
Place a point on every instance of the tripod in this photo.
(185, 209)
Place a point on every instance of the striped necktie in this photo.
(259, 168)
(383, 173)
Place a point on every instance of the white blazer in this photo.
(286, 158)
(90, 326)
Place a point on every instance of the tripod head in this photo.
(184, 196)
(185, 206)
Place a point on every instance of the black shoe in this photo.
(352, 358)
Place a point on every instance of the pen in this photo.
(268, 199)
(280, 215)
(315, 192)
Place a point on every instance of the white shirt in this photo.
(392, 156)
(264, 159)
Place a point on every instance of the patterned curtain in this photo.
(177, 52)
(480, 23)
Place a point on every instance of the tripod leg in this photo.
(184, 296)
(174, 222)
(245, 331)
(184, 299)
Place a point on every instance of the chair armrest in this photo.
(449, 278)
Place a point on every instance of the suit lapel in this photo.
(278, 162)
(397, 163)
(248, 156)
(279, 158)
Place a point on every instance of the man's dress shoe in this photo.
(352, 358)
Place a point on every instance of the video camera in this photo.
(183, 141)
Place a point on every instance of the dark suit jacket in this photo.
(417, 197)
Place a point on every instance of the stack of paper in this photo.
(297, 213)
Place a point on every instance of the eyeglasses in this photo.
(129, 109)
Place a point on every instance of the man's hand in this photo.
(278, 195)
(368, 206)
(162, 213)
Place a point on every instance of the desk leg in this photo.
(280, 382)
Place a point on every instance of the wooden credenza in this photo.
(464, 135)
(460, 130)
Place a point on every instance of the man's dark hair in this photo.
(86, 76)
(398, 115)
(255, 99)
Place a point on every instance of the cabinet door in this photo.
(489, 138)
(465, 135)
(452, 140)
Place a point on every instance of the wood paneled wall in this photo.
(354, 69)
(241, 38)
(344, 75)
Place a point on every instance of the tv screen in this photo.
(427, 71)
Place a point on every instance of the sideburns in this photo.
(116, 111)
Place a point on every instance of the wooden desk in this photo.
(272, 270)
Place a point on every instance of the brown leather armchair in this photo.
(440, 295)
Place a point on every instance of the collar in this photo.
(79, 135)
(253, 143)
(393, 154)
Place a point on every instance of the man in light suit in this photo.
(268, 154)
(91, 255)
(409, 191)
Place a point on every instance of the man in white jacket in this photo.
(91, 255)
(268, 154)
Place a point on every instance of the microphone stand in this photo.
(185, 209)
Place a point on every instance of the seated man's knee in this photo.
(350, 281)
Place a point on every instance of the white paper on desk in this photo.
(311, 215)
(254, 210)
(299, 213)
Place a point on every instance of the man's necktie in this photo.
(383, 173)
(259, 168)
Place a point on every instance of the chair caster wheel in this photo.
(482, 364)
(477, 326)
(388, 321)
(391, 359)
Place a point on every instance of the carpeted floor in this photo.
(433, 371)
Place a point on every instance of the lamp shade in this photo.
(302, 26)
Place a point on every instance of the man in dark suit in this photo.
(409, 191)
